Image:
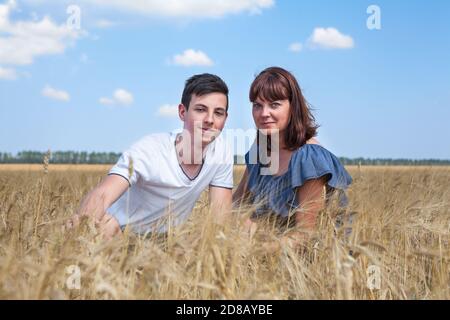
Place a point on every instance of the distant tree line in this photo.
(377, 162)
(66, 157)
(393, 162)
(76, 157)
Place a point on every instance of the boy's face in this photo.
(205, 116)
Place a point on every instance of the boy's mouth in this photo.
(209, 130)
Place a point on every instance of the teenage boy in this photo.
(166, 173)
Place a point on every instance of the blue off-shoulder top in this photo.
(277, 194)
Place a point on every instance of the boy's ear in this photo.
(182, 111)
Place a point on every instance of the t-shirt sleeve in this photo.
(132, 164)
(224, 174)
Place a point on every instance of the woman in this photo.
(307, 174)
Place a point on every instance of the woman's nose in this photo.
(265, 112)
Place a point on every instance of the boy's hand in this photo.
(109, 227)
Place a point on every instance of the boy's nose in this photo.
(209, 119)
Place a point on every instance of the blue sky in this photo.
(376, 93)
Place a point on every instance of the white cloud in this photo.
(22, 41)
(8, 74)
(106, 101)
(168, 110)
(330, 38)
(120, 97)
(190, 58)
(104, 24)
(295, 47)
(55, 94)
(186, 8)
(123, 97)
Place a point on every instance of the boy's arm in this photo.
(96, 202)
(220, 202)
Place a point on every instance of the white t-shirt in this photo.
(159, 189)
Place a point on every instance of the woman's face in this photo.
(270, 116)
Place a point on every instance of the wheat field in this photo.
(399, 245)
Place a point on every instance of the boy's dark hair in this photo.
(202, 84)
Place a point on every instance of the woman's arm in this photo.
(241, 191)
(239, 197)
(311, 197)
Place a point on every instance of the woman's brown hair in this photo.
(275, 83)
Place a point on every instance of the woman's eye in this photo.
(275, 105)
(256, 106)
